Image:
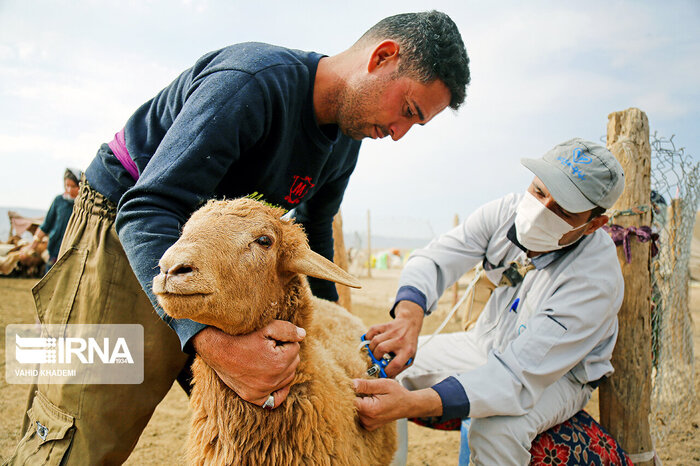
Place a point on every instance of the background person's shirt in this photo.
(55, 223)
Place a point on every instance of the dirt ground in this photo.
(163, 439)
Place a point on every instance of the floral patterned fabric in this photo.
(580, 440)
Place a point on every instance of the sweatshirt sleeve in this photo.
(431, 270)
(224, 114)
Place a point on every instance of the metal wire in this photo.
(675, 181)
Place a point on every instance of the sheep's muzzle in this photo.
(181, 279)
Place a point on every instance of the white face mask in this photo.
(538, 228)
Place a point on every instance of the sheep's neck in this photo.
(296, 306)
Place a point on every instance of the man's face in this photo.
(577, 220)
(389, 105)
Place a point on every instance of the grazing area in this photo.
(164, 439)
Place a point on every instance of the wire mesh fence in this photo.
(675, 180)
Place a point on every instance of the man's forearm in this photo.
(424, 403)
(386, 401)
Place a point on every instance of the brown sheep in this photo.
(231, 277)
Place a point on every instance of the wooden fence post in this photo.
(340, 257)
(625, 397)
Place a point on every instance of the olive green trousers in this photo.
(92, 283)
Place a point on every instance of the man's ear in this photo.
(385, 55)
(596, 223)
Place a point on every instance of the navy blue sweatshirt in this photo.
(240, 122)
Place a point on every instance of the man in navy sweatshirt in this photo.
(279, 125)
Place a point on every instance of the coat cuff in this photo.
(455, 403)
(410, 293)
(186, 329)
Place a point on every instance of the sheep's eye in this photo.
(264, 241)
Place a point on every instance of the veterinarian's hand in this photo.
(254, 365)
(399, 336)
(388, 401)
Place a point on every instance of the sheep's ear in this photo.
(314, 265)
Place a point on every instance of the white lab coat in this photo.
(566, 320)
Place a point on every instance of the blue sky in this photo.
(72, 72)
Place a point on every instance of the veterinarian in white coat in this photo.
(545, 338)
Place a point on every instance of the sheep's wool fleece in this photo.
(256, 276)
(317, 424)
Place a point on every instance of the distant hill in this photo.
(352, 239)
(358, 240)
(5, 221)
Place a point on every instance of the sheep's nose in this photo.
(179, 269)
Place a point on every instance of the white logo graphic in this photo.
(35, 350)
(83, 354)
(63, 350)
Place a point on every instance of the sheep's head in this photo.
(234, 264)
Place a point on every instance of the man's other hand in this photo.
(386, 400)
(399, 336)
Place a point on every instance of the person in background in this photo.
(57, 217)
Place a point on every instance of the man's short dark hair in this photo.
(431, 47)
